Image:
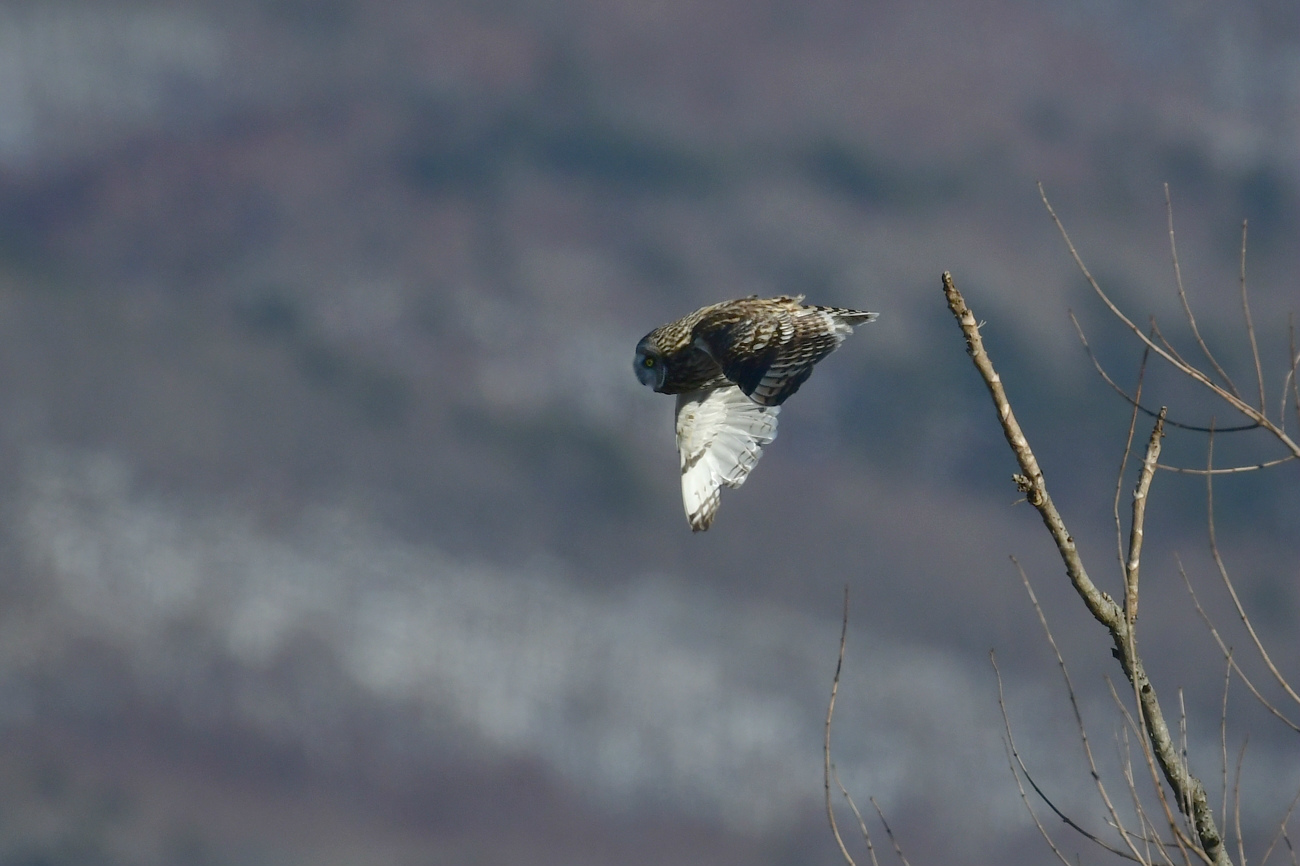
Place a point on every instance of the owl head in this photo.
(649, 364)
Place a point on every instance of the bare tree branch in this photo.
(1227, 581)
(1132, 566)
(1291, 374)
(1250, 324)
(830, 711)
(1166, 352)
(1236, 802)
(1281, 828)
(1223, 732)
(1014, 759)
(1228, 654)
(1189, 789)
(1182, 296)
(1014, 753)
(1231, 470)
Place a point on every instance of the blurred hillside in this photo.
(339, 530)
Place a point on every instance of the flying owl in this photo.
(731, 366)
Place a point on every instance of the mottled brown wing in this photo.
(770, 351)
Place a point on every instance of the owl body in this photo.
(731, 366)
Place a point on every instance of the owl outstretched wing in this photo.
(769, 347)
(720, 436)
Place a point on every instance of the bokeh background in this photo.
(337, 530)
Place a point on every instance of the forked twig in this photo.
(1014, 754)
(1134, 400)
(1171, 357)
(1181, 838)
(1281, 828)
(1103, 608)
(862, 825)
(1227, 651)
(1149, 836)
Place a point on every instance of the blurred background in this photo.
(337, 530)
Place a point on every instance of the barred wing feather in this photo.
(720, 436)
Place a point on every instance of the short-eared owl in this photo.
(731, 366)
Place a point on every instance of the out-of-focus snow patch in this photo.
(659, 691)
(70, 67)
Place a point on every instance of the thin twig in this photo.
(862, 825)
(1281, 827)
(1149, 836)
(1236, 802)
(1012, 758)
(1181, 838)
(889, 832)
(1182, 296)
(830, 711)
(1227, 581)
(1230, 470)
(1136, 532)
(1128, 446)
(1223, 731)
(1133, 401)
(1250, 325)
(1183, 367)
(1078, 723)
(1227, 651)
(1289, 385)
(1014, 753)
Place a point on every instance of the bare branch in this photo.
(1182, 296)
(1250, 325)
(1227, 581)
(830, 711)
(1231, 470)
(1128, 445)
(1132, 566)
(1236, 802)
(1030, 483)
(1181, 838)
(1281, 828)
(1223, 731)
(1227, 653)
(862, 825)
(1171, 357)
(1189, 789)
(1014, 753)
(889, 832)
(1290, 387)
(1133, 400)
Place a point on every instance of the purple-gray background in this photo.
(338, 530)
